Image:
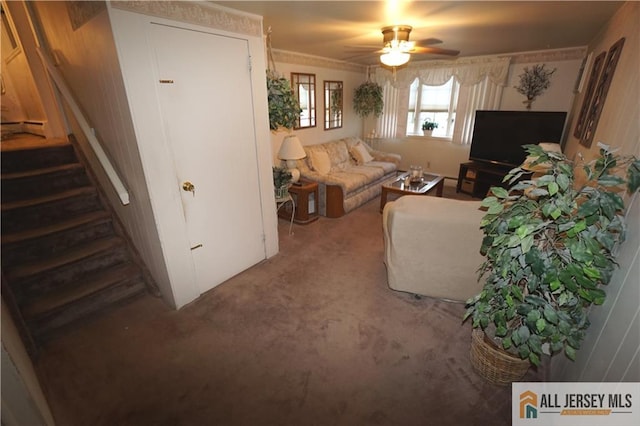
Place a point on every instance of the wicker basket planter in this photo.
(494, 364)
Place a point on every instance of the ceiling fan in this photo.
(397, 48)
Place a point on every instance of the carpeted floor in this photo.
(312, 336)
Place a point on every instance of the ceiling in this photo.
(331, 29)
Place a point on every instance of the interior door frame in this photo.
(131, 34)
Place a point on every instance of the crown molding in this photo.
(198, 13)
(288, 57)
(548, 55)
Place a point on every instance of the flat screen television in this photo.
(498, 136)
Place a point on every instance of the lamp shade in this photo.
(291, 149)
(394, 58)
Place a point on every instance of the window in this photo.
(304, 88)
(437, 103)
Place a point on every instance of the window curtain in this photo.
(387, 123)
(481, 82)
(483, 95)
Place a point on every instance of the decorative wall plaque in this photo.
(591, 87)
(600, 95)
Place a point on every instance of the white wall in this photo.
(611, 349)
(441, 156)
(559, 96)
(324, 69)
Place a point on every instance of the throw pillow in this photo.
(542, 167)
(361, 154)
(321, 162)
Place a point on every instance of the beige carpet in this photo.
(312, 336)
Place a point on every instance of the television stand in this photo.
(475, 178)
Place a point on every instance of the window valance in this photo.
(467, 71)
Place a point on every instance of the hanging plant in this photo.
(367, 99)
(533, 82)
(284, 110)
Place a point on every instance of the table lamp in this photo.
(290, 151)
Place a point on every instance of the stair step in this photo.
(54, 228)
(79, 290)
(38, 156)
(49, 210)
(51, 243)
(55, 179)
(62, 259)
(32, 202)
(40, 172)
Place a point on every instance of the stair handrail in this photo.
(102, 157)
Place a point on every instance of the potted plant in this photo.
(549, 243)
(284, 110)
(367, 99)
(428, 126)
(281, 181)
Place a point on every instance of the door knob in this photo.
(189, 187)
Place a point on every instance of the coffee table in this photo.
(429, 184)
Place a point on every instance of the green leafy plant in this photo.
(429, 125)
(367, 99)
(284, 109)
(281, 177)
(549, 243)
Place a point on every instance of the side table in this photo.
(280, 203)
(305, 198)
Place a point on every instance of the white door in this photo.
(206, 103)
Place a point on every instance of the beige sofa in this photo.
(432, 246)
(349, 173)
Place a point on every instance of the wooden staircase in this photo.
(64, 255)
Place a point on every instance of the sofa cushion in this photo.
(385, 166)
(360, 154)
(310, 150)
(321, 162)
(354, 178)
(339, 155)
(377, 155)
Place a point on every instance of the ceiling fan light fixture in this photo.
(395, 58)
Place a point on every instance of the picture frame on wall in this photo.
(582, 74)
(591, 87)
(600, 94)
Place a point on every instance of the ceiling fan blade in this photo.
(429, 42)
(362, 46)
(359, 56)
(436, 51)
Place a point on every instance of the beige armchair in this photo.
(432, 246)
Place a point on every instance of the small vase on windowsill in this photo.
(428, 133)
